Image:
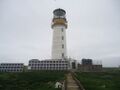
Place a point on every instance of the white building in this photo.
(59, 26)
(58, 61)
(11, 67)
(48, 64)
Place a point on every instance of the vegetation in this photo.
(30, 80)
(100, 81)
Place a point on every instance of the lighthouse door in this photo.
(73, 65)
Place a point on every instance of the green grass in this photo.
(100, 81)
(30, 80)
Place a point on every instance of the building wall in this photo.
(11, 67)
(89, 68)
(72, 64)
(48, 65)
(59, 42)
(87, 62)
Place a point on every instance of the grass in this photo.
(30, 80)
(100, 81)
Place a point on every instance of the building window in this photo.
(62, 38)
(62, 54)
(62, 45)
(62, 29)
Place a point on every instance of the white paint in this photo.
(58, 85)
(59, 31)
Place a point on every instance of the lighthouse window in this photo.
(62, 38)
(62, 29)
(62, 46)
(62, 54)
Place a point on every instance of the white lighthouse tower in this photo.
(59, 26)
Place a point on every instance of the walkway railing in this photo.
(77, 81)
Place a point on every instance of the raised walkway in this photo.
(71, 83)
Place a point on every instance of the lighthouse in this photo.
(59, 26)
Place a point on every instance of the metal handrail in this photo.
(78, 82)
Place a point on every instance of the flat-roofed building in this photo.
(11, 67)
(87, 62)
(88, 65)
(35, 64)
(90, 68)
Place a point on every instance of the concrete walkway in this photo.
(71, 83)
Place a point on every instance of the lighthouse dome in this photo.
(59, 12)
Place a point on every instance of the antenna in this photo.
(56, 4)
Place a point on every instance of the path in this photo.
(71, 83)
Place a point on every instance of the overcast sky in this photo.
(93, 29)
